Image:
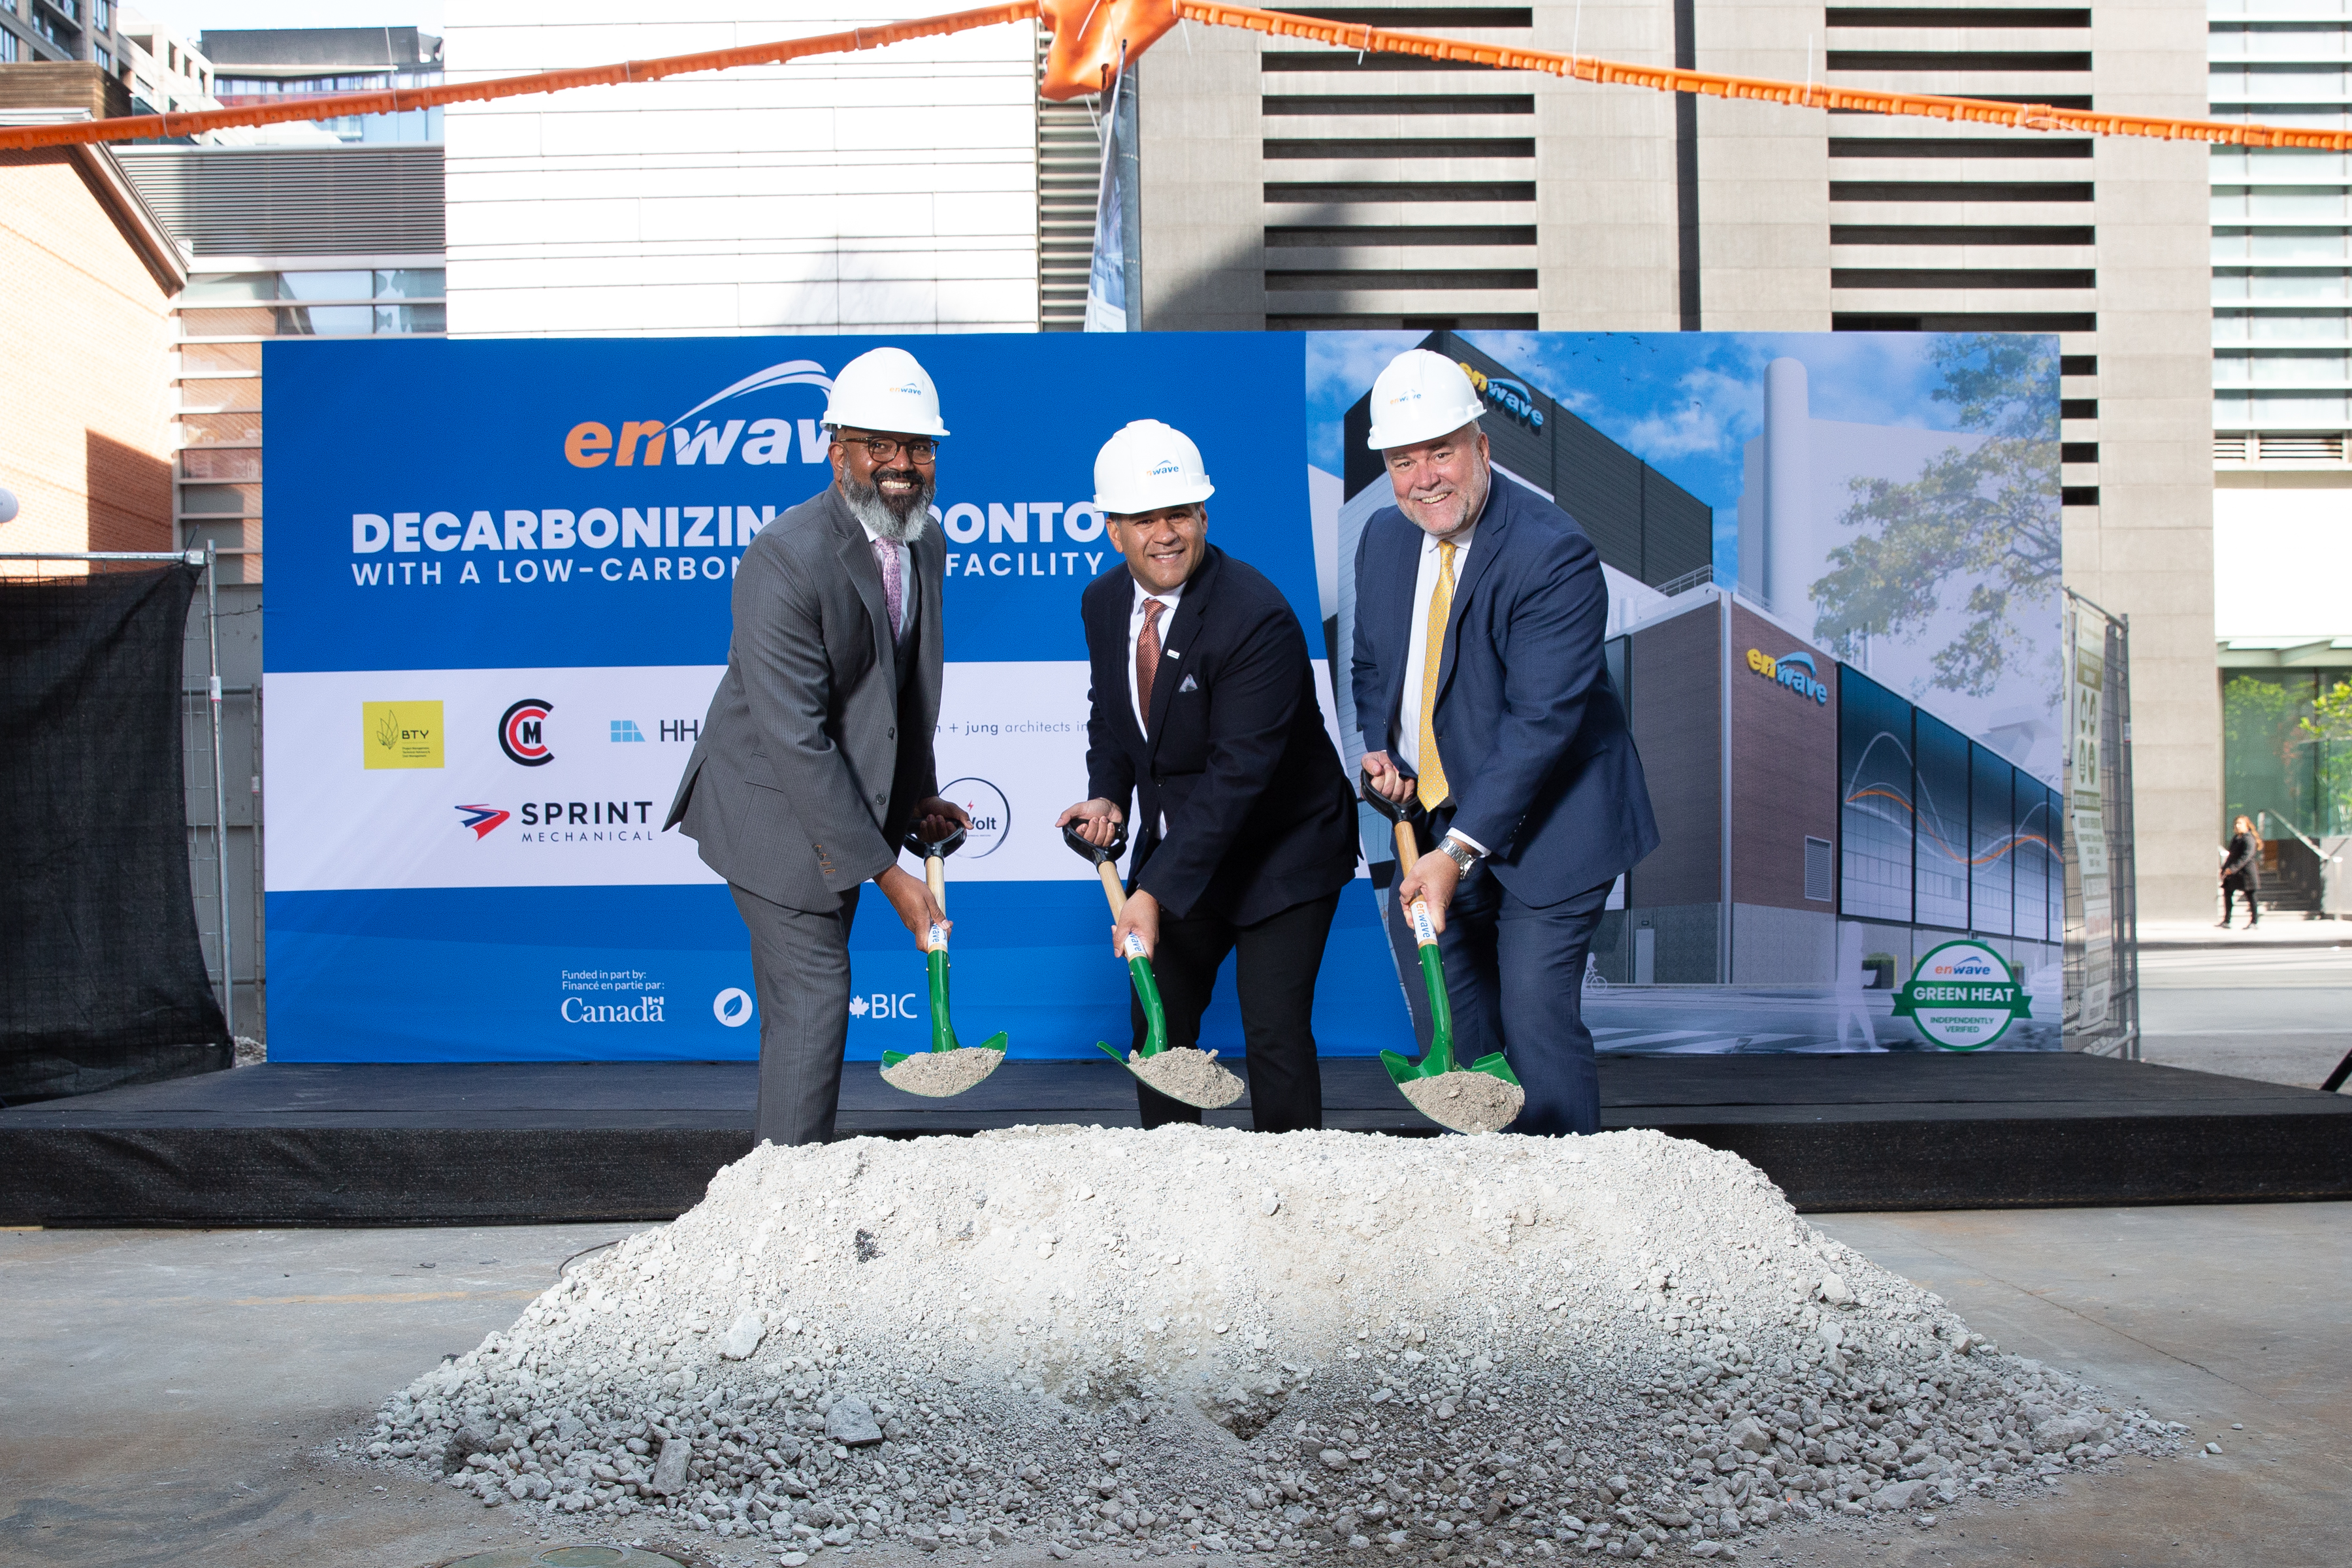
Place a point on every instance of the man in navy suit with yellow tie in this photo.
(1480, 687)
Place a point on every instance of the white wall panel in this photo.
(889, 190)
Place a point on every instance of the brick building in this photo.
(88, 278)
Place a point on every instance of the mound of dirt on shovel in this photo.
(1319, 1344)
(942, 1073)
(1466, 1101)
(1189, 1074)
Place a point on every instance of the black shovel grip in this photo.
(922, 849)
(1101, 855)
(1410, 811)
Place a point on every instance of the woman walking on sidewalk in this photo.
(2242, 870)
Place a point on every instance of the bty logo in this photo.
(400, 734)
(991, 814)
(522, 732)
(483, 819)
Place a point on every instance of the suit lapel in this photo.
(1484, 550)
(857, 554)
(1109, 634)
(1404, 577)
(1176, 641)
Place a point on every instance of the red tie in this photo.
(1147, 657)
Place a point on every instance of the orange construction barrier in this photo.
(1086, 36)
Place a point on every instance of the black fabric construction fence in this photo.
(102, 975)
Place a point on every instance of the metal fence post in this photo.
(220, 789)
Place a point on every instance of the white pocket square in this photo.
(1189, 685)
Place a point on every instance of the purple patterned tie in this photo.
(894, 588)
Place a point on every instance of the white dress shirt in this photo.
(906, 581)
(1418, 653)
(1135, 634)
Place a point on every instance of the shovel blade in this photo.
(1401, 1069)
(1496, 1065)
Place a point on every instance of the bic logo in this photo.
(883, 1005)
(522, 733)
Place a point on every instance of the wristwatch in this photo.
(1461, 854)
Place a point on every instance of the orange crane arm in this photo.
(1086, 36)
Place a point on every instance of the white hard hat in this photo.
(1147, 466)
(1421, 396)
(885, 389)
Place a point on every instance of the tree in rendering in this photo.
(1982, 521)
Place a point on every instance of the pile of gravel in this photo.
(1319, 1342)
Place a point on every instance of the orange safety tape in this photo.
(149, 127)
(1807, 95)
(1370, 39)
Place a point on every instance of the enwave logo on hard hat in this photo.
(690, 439)
(1165, 465)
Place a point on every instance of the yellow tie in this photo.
(1433, 790)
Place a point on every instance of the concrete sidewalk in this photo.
(2280, 1012)
(173, 1397)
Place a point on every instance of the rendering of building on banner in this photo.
(1818, 826)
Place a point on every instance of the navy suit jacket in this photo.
(1260, 815)
(1532, 731)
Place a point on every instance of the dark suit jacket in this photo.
(1531, 731)
(818, 744)
(1260, 817)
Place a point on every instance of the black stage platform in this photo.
(510, 1143)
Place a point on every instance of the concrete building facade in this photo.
(1387, 192)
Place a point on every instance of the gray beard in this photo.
(882, 516)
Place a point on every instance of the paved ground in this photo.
(169, 1398)
(166, 1396)
(2278, 1010)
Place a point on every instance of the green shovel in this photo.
(1464, 1107)
(1188, 1075)
(947, 1068)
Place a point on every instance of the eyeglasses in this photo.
(922, 450)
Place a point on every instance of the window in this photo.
(1992, 840)
(1876, 794)
(1816, 869)
(101, 16)
(7, 44)
(104, 56)
(1940, 756)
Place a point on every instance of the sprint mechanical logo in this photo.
(1793, 671)
(483, 819)
(522, 732)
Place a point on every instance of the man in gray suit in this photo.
(817, 756)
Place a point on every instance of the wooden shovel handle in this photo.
(1116, 894)
(935, 873)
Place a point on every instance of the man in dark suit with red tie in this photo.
(1205, 713)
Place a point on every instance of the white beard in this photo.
(866, 504)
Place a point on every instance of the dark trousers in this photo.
(800, 967)
(1274, 964)
(1514, 975)
(2231, 885)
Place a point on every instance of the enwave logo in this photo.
(1967, 969)
(690, 440)
(1793, 671)
(1511, 396)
